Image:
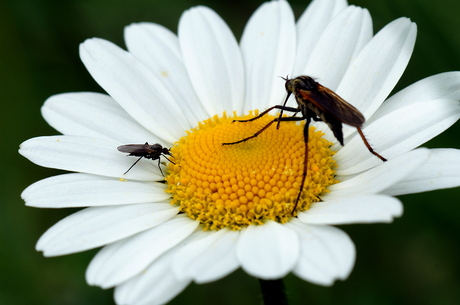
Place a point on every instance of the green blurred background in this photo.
(415, 260)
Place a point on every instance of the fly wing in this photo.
(135, 148)
(331, 103)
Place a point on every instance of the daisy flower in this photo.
(223, 207)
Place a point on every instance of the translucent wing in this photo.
(136, 149)
(329, 102)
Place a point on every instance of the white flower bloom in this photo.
(164, 85)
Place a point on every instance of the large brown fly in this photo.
(319, 103)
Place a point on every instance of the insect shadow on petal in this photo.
(314, 101)
(147, 151)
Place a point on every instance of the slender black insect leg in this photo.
(265, 127)
(160, 167)
(284, 105)
(269, 109)
(168, 159)
(133, 165)
(369, 146)
(253, 136)
(305, 162)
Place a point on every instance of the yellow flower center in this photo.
(242, 184)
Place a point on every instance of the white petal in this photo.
(166, 62)
(94, 227)
(88, 155)
(209, 258)
(213, 60)
(94, 115)
(268, 251)
(340, 42)
(441, 170)
(310, 27)
(379, 178)
(398, 132)
(326, 253)
(348, 210)
(440, 86)
(82, 190)
(124, 259)
(155, 285)
(373, 74)
(137, 89)
(268, 46)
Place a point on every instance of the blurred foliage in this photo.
(415, 260)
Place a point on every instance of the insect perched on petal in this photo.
(314, 101)
(147, 151)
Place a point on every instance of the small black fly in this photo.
(147, 151)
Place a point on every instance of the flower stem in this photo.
(273, 292)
